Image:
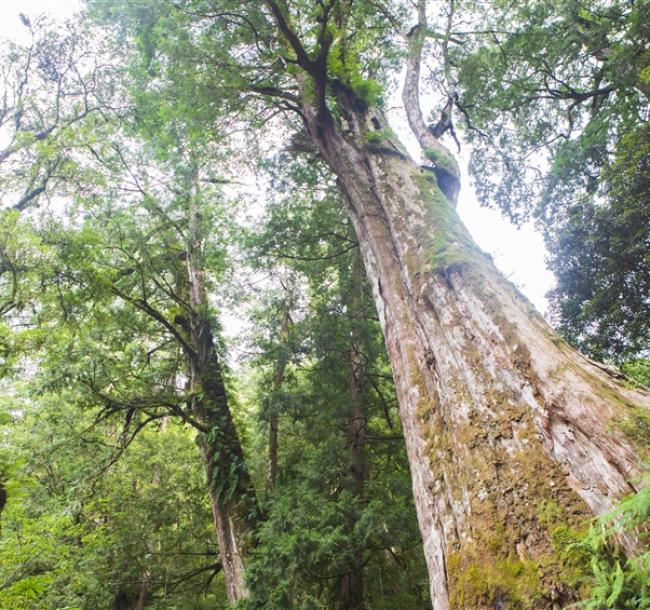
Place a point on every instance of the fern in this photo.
(620, 583)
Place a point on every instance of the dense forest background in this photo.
(159, 179)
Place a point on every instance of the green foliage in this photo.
(96, 515)
(556, 105)
(86, 522)
(638, 370)
(620, 582)
(320, 526)
(342, 64)
(106, 491)
(600, 257)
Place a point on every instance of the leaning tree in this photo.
(509, 431)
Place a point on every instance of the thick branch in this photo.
(29, 196)
(445, 165)
(153, 313)
(273, 92)
(304, 61)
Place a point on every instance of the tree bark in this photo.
(143, 592)
(510, 433)
(232, 495)
(274, 426)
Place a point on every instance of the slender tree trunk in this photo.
(142, 597)
(3, 501)
(278, 380)
(122, 601)
(352, 585)
(510, 433)
(232, 495)
(143, 591)
(274, 426)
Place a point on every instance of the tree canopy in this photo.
(554, 99)
(250, 357)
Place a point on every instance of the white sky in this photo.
(518, 252)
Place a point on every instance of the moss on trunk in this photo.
(514, 440)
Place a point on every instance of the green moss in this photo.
(374, 137)
(549, 512)
(487, 574)
(446, 241)
(309, 91)
(636, 426)
(423, 410)
(393, 137)
(528, 553)
(645, 75)
(511, 580)
(497, 540)
(441, 159)
(387, 137)
(566, 541)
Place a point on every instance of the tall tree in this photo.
(233, 497)
(341, 519)
(136, 271)
(499, 413)
(60, 131)
(357, 418)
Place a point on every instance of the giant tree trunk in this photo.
(510, 432)
(513, 437)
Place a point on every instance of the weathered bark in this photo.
(510, 433)
(352, 583)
